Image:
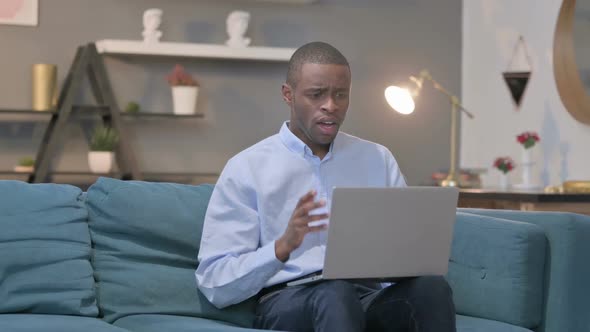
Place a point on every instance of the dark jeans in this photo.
(422, 304)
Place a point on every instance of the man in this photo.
(257, 233)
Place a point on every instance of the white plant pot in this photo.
(184, 99)
(504, 181)
(100, 161)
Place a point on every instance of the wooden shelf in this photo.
(8, 172)
(32, 115)
(25, 111)
(161, 115)
(215, 51)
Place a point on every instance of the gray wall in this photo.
(384, 40)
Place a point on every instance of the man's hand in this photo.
(298, 225)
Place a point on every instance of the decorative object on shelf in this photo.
(504, 165)
(25, 165)
(185, 90)
(236, 25)
(44, 79)
(152, 18)
(103, 143)
(468, 178)
(517, 79)
(527, 139)
(132, 107)
(19, 12)
(576, 187)
(402, 100)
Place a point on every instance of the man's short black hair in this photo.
(314, 52)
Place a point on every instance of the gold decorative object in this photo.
(44, 86)
(576, 187)
(554, 189)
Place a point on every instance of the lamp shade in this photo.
(400, 99)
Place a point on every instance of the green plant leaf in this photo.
(104, 139)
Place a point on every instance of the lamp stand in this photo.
(452, 180)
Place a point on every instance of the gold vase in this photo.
(44, 86)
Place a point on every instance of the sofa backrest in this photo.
(146, 237)
(496, 269)
(45, 250)
(567, 271)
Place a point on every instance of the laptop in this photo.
(387, 234)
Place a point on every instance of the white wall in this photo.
(491, 29)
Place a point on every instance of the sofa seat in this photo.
(158, 323)
(53, 323)
(473, 324)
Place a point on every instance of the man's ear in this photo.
(287, 93)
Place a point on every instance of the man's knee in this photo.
(336, 294)
(337, 303)
(337, 291)
(435, 287)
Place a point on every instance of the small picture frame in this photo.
(19, 12)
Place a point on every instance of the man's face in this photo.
(318, 103)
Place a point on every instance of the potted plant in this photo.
(527, 139)
(25, 165)
(103, 143)
(504, 165)
(132, 107)
(185, 90)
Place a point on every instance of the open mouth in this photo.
(328, 127)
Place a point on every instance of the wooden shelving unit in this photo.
(88, 63)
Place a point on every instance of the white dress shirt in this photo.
(254, 199)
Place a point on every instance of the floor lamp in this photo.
(401, 99)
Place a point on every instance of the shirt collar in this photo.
(296, 145)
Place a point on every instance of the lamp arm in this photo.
(452, 180)
(454, 99)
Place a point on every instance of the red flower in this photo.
(504, 164)
(179, 77)
(528, 139)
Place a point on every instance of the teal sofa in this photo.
(121, 257)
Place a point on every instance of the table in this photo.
(524, 200)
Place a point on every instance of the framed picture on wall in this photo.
(19, 12)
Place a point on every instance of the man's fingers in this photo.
(309, 206)
(310, 194)
(303, 222)
(317, 228)
(317, 217)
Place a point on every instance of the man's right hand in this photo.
(298, 225)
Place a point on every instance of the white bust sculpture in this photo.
(237, 24)
(151, 22)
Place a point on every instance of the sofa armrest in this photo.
(567, 274)
(496, 269)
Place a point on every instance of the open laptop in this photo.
(386, 234)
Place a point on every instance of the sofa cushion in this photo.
(472, 324)
(158, 323)
(567, 271)
(45, 250)
(496, 269)
(146, 238)
(53, 323)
